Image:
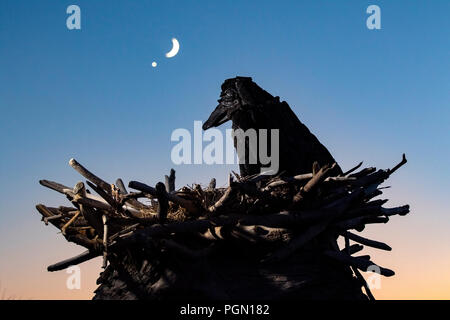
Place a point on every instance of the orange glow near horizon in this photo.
(420, 259)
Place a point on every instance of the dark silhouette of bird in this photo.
(248, 106)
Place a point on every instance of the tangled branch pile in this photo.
(261, 237)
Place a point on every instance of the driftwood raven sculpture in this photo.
(248, 106)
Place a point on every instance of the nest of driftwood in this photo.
(262, 236)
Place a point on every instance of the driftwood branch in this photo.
(359, 222)
(365, 241)
(170, 181)
(296, 243)
(399, 165)
(106, 196)
(53, 185)
(353, 169)
(354, 248)
(212, 184)
(85, 256)
(163, 202)
(89, 175)
(105, 240)
(229, 193)
(363, 282)
(403, 210)
(360, 263)
(289, 180)
(312, 184)
(121, 186)
(187, 204)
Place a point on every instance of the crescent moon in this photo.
(175, 48)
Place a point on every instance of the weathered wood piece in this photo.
(170, 181)
(212, 184)
(105, 241)
(121, 186)
(360, 263)
(85, 256)
(163, 202)
(353, 169)
(189, 205)
(89, 175)
(365, 241)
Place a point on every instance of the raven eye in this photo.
(229, 95)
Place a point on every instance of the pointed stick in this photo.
(163, 203)
(222, 201)
(64, 227)
(353, 169)
(121, 186)
(360, 222)
(89, 175)
(403, 210)
(365, 241)
(48, 214)
(170, 181)
(185, 203)
(347, 246)
(85, 256)
(363, 282)
(401, 163)
(340, 179)
(53, 185)
(90, 200)
(46, 219)
(362, 264)
(89, 214)
(212, 184)
(354, 248)
(106, 196)
(105, 241)
(286, 180)
(363, 172)
(312, 184)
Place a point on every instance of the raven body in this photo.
(248, 106)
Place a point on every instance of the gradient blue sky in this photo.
(93, 95)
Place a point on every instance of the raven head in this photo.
(238, 94)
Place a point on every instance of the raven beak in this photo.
(217, 117)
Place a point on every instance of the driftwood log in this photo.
(262, 237)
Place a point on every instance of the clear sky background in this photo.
(92, 94)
